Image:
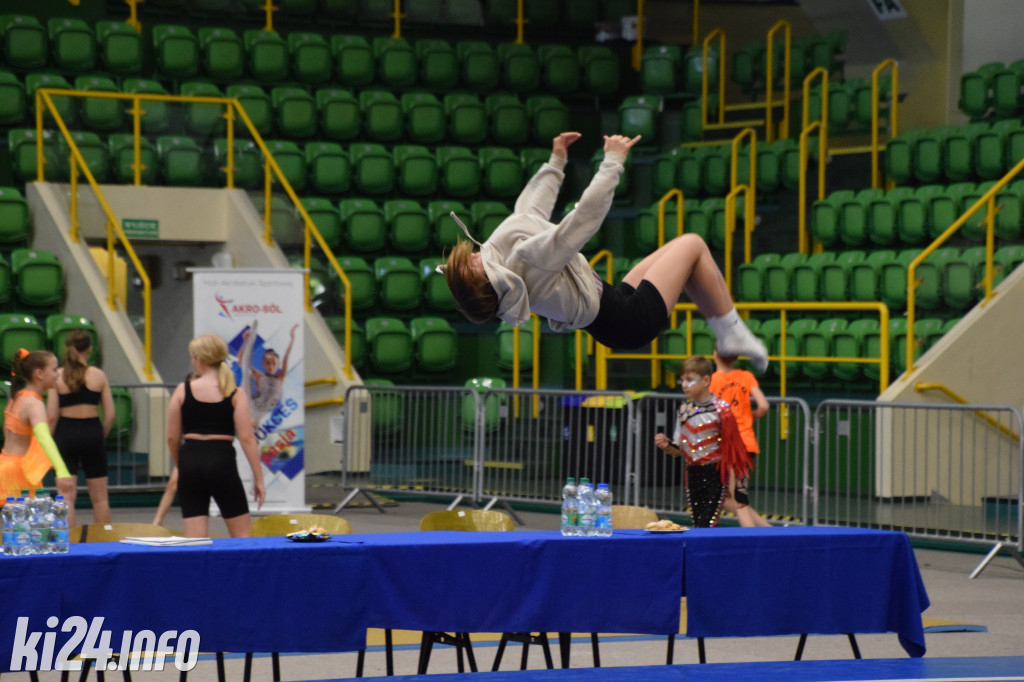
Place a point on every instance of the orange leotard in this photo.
(24, 471)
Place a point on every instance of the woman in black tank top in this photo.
(203, 416)
(73, 412)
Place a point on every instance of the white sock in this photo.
(734, 338)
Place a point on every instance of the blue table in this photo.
(744, 582)
(255, 594)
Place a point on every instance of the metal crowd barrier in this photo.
(937, 472)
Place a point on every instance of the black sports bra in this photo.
(207, 418)
(83, 396)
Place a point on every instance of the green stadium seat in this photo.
(493, 404)
(560, 69)
(416, 170)
(1005, 260)
(893, 279)
(976, 89)
(6, 285)
(120, 47)
(1006, 95)
(13, 103)
(714, 209)
(361, 278)
(697, 220)
(750, 277)
(357, 353)
(396, 62)
(778, 276)
(365, 227)
(929, 151)
(520, 67)
(638, 115)
(256, 103)
(866, 275)
(600, 70)
(425, 121)
(467, 118)
(328, 167)
(884, 213)
(533, 158)
(373, 168)
(913, 213)
(665, 169)
(22, 145)
(771, 334)
(926, 332)
(247, 164)
(398, 283)
(176, 50)
(690, 170)
(24, 42)
(285, 227)
(659, 69)
(58, 326)
(72, 44)
(817, 343)
(181, 161)
(155, 117)
(858, 340)
(390, 344)
(438, 64)
(436, 294)
(446, 232)
(806, 279)
(327, 219)
(901, 155)
(295, 112)
(382, 115)
(120, 432)
(203, 118)
(354, 63)
(854, 216)
(505, 349)
(509, 119)
(769, 166)
(94, 152)
(408, 225)
(826, 215)
(932, 276)
(989, 159)
(747, 70)
(789, 160)
(38, 278)
(385, 405)
(716, 165)
(692, 70)
(223, 54)
(836, 276)
(122, 160)
(65, 106)
(975, 228)
(339, 114)
(267, 55)
(487, 216)
(645, 227)
(945, 208)
(963, 277)
(502, 172)
(291, 160)
(99, 113)
(479, 66)
(958, 151)
(310, 57)
(548, 117)
(15, 225)
(18, 330)
(674, 342)
(459, 170)
(1010, 218)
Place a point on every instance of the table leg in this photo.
(597, 653)
(700, 650)
(360, 659)
(247, 670)
(670, 654)
(853, 645)
(564, 643)
(800, 647)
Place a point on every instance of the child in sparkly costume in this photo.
(707, 436)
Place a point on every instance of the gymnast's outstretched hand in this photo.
(619, 143)
(560, 145)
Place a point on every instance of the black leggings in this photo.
(80, 441)
(206, 468)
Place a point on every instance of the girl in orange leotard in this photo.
(29, 450)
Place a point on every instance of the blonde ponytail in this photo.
(211, 350)
(227, 379)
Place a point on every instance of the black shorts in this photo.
(628, 318)
(80, 442)
(207, 469)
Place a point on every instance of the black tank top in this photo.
(207, 418)
(83, 396)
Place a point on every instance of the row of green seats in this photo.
(25, 330)
(15, 223)
(948, 278)
(976, 151)
(702, 217)
(387, 344)
(295, 112)
(31, 280)
(706, 170)
(914, 215)
(993, 89)
(749, 67)
(850, 104)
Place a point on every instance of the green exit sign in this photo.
(141, 229)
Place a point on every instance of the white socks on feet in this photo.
(734, 338)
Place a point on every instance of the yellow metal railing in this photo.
(782, 357)
(923, 386)
(638, 46)
(676, 194)
(806, 128)
(272, 172)
(988, 200)
(894, 105)
(769, 108)
(750, 197)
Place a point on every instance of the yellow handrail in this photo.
(782, 357)
(769, 113)
(987, 199)
(535, 373)
(269, 9)
(730, 227)
(750, 203)
(398, 19)
(894, 105)
(804, 241)
(676, 194)
(720, 34)
(133, 15)
(923, 386)
(638, 46)
(520, 22)
(806, 110)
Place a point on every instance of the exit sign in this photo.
(141, 229)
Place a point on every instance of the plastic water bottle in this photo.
(570, 508)
(59, 535)
(39, 524)
(8, 516)
(22, 530)
(603, 516)
(588, 508)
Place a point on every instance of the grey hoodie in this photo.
(536, 265)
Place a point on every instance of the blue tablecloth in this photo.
(254, 594)
(526, 581)
(782, 581)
